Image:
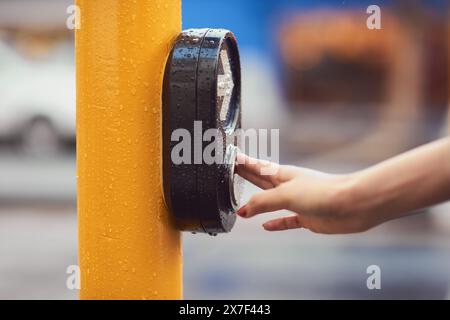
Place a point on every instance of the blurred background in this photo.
(343, 96)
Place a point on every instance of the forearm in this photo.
(408, 182)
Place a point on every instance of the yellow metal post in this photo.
(127, 246)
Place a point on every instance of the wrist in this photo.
(349, 202)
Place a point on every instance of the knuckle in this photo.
(275, 175)
(292, 223)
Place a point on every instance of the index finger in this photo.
(256, 170)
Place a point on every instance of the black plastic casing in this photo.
(198, 194)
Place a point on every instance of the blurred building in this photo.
(388, 88)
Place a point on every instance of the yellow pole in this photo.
(127, 247)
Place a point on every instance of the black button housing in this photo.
(202, 89)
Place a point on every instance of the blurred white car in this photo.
(37, 100)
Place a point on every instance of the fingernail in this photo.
(242, 212)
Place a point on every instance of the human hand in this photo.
(321, 202)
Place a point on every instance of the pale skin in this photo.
(348, 203)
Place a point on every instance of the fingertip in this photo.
(246, 162)
(242, 212)
(240, 157)
(268, 226)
